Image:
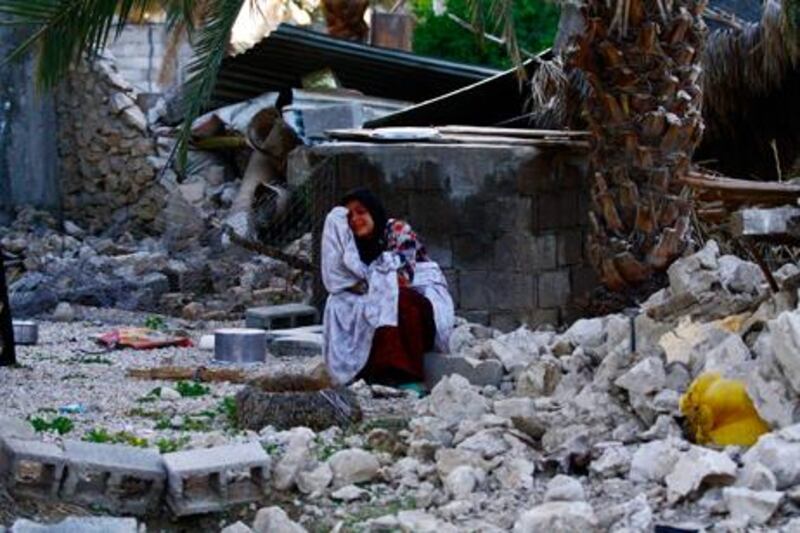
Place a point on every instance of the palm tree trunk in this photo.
(640, 61)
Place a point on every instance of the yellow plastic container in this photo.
(719, 411)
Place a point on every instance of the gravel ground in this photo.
(64, 368)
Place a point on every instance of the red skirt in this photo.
(397, 352)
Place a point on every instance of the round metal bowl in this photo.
(26, 332)
(240, 345)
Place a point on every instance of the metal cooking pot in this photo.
(26, 332)
(240, 345)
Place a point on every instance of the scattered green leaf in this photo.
(189, 389)
(59, 424)
(171, 445)
(155, 322)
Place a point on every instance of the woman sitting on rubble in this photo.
(388, 303)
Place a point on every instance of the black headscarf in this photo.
(369, 248)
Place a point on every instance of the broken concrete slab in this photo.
(779, 454)
(477, 372)
(121, 479)
(212, 479)
(281, 316)
(786, 345)
(697, 466)
(645, 377)
(756, 507)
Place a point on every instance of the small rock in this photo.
(696, 466)
(315, 481)
(523, 414)
(786, 345)
(755, 506)
(297, 456)
(349, 493)
(193, 311)
(565, 489)
(453, 399)
(169, 394)
(421, 522)
(237, 527)
(755, 476)
(448, 460)
(73, 229)
(557, 517)
(780, 455)
(654, 461)
(64, 312)
(463, 481)
(488, 443)
(645, 377)
(515, 473)
(632, 515)
(540, 378)
(615, 461)
(353, 466)
(586, 333)
(275, 520)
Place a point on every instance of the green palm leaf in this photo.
(64, 31)
(211, 47)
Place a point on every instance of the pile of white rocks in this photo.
(583, 434)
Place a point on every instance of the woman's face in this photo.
(360, 219)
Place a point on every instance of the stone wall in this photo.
(108, 157)
(507, 224)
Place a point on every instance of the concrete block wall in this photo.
(507, 224)
(132, 481)
(140, 53)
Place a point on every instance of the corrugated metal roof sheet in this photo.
(287, 54)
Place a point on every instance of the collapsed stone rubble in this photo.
(580, 433)
(51, 267)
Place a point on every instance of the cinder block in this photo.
(122, 479)
(211, 479)
(554, 288)
(481, 373)
(79, 524)
(300, 344)
(32, 468)
(281, 316)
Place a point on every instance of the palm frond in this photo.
(63, 31)
(500, 15)
(212, 44)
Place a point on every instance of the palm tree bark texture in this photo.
(640, 60)
(7, 351)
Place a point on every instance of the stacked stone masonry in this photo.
(506, 223)
(133, 481)
(108, 157)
